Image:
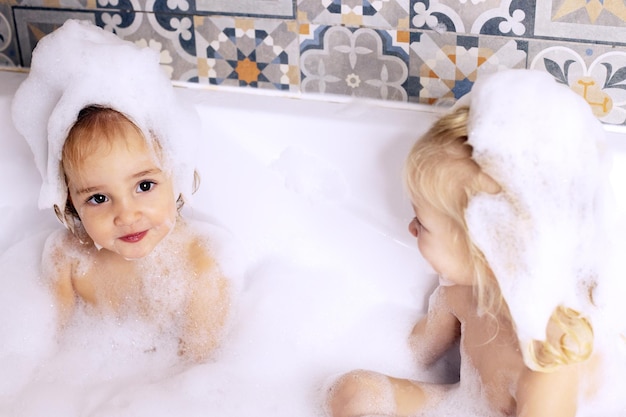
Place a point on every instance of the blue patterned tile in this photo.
(510, 18)
(443, 67)
(381, 14)
(247, 52)
(357, 62)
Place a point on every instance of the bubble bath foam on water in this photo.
(309, 195)
(329, 279)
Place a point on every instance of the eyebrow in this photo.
(87, 190)
(140, 174)
(147, 172)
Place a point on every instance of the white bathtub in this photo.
(310, 189)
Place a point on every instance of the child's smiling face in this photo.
(124, 198)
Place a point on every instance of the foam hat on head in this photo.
(541, 142)
(80, 64)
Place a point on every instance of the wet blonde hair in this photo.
(97, 126)
(440, 172)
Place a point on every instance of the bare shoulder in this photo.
(198, 248)
(60, 251)
(200, 255)
(57, 241)
(61, 244)
(60, 255)
(552, 394)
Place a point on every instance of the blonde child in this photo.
(518, 298)
(109, 164)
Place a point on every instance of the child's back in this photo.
(509, 226)
(489, 350)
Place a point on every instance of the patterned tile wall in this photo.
(425, 51)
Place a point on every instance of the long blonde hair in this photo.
(439, 171)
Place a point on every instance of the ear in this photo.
(59, 214)
(65, 217)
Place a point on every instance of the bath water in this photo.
(329, 278)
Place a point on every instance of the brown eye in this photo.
(145, 186)
(97, 199)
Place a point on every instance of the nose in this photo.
(127, 212)
(413, 228)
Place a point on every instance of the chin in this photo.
(134, 253)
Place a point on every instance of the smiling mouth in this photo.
(135, 237)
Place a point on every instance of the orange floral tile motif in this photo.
(602, 82)
(248, 52)
(443, 68)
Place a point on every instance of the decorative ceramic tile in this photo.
(76, 4)
(418, 50)
(121, 22)
(595, 72)
(589, 20)
(34, 24)
(443, 67)
(488, 17)
(384, 14)
(9, 53)
(267, 8)
(172, 35)
(247, 52)
(126, 5)
(179, 7)
(358, 62)
(80, 4)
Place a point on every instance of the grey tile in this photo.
(596, 72)
(33, 24)
(9, 51)
(575, 20)
(444, 66)
(361, 63)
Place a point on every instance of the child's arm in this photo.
(208, 306)
(553, 394)
(436, 332)
(57, 272)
